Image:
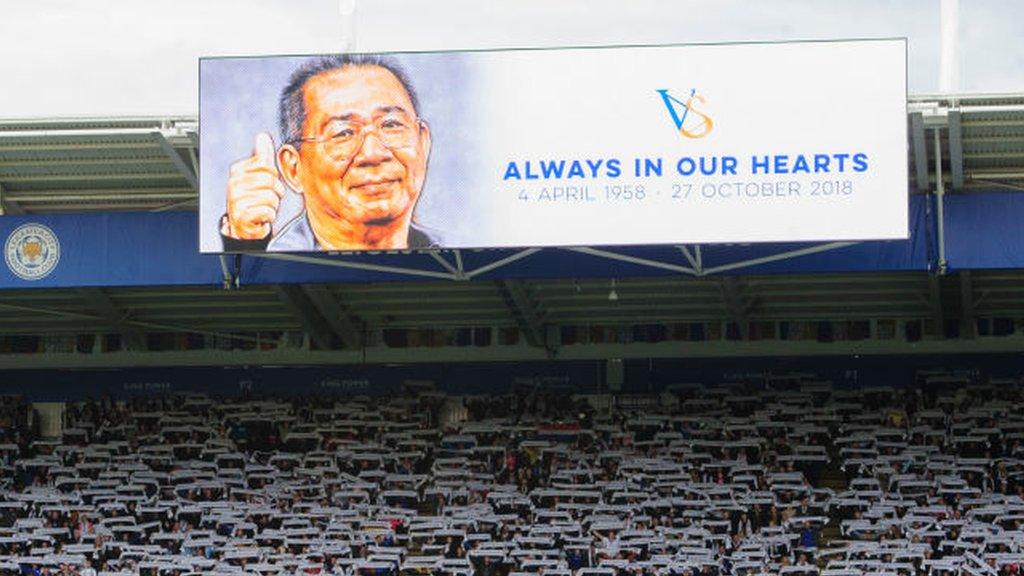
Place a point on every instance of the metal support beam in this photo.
(176, 159)
(956, 149)
(100, 161)
(8, 206)
(940, 204)
(175, 205)
(340, 263)
(635, 260)
(920, 151)
(302, 309)
(968, 321)
(75, 179)
(115, 195)
(776, 257)
(737, 304)
(690, 258)
(458, 264)
(104, 306)
(526, 313)
(345, 326)
(117, 133)
(935, 303)
(455, 272)
(229, 282)
(502, 262)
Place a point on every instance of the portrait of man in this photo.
(353, 146)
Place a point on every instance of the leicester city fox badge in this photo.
(32, 251)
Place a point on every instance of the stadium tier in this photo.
(797, 477)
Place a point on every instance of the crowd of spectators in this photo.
(795, 477)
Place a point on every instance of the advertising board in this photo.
(733, 143)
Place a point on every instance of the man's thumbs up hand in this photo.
(254, 193)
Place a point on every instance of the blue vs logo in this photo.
(691, 123)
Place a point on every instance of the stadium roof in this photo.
(150, 164)
(141, 164)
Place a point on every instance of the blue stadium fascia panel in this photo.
(160, 249)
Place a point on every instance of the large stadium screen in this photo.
(772, 142)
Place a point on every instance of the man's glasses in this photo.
(342, 139)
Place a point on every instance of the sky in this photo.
(93, 58)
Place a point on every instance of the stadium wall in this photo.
(579, 377)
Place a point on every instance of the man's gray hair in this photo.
(291, 105)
